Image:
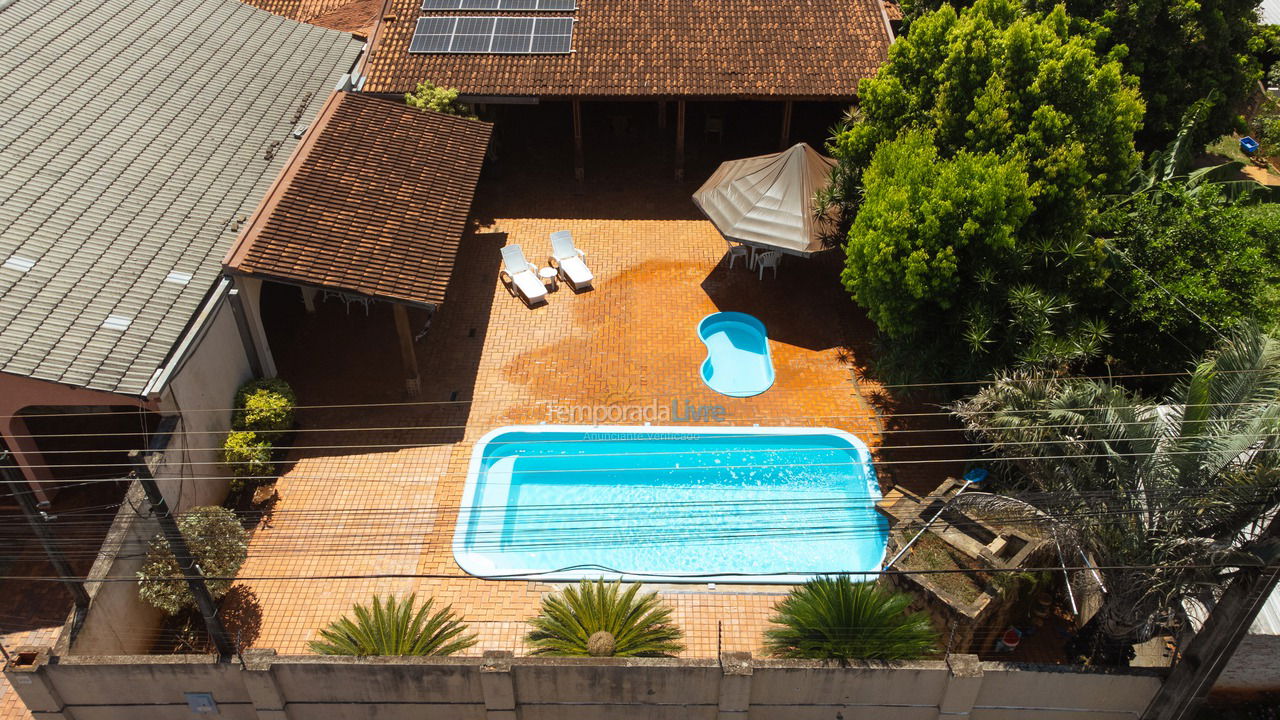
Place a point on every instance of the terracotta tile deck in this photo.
(391, 511)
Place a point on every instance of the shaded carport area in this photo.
(364, 223)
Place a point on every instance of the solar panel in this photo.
(512, 5)
(494, 35)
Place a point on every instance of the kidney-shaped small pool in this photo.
(669, 504)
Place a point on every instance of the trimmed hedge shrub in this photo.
(264, 406)
(246, 454)
(220, 545)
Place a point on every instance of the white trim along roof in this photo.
(134, 137)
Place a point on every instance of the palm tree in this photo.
(1163, 494)
(393, 628)
(834, 617)
(594, 619)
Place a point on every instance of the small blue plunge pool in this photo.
(669, 504)
(738, 363)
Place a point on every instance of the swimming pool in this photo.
(669, 504)
(738, 362)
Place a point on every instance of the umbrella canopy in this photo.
(767, 201)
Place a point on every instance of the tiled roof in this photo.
(133, 134)
(355, 16)
(690, 48)
(299, 9)
(375, 201)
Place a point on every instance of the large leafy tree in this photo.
(1189, 263)
(1180, 51)
(834, 617)
(1162, 494)
(926, 226)
(1001, 93)
(395, 628)
(994, 79)
(599, 619)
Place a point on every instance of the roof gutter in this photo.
(197, 330)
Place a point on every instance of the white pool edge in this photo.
(476, 564)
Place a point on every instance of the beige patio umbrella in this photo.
(767, 201)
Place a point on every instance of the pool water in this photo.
(738, 363)
(762, 505)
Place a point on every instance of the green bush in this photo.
(264, 406)
(834, 617)
(442, 100)
(246, 454)
(394, 628)
(1190, 264)
(599, 619)
(220, 545)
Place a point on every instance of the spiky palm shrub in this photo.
(1163, 494)
(394, 628)
(834, 617)
(598, 619)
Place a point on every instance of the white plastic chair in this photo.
(738, 251)
(769, 259)
(521, 276)
(567, 259)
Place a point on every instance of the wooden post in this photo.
(409, 358)
(785, 140)
(1185, 688)
(662, 114)
(679, 140)
(579, 164)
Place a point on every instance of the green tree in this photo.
(442, 100)
(1165, 496)
(994, 79)
(597, 619)
(834, 617)
(1189, 264)
(1000, 90)
(933, 255)
(220, 545)
(394, 628)
(1179, 50)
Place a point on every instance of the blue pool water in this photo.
(779, 504)
(738, 362)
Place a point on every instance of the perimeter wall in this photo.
(499, 687)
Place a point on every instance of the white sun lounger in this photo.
(522, 276)
(567, 258)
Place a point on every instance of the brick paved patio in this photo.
(391, 510)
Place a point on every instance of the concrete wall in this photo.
(188, 473)
(200, 393)
(498, 687)
(1254, 669)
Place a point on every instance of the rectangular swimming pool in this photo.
(669, 504)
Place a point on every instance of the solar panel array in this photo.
(498, 35)
(511, 5)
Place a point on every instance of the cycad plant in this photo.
(394, 628)
(834, 617)
(1163, 494)
(599, 619)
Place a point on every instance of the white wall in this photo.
(190, 474)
